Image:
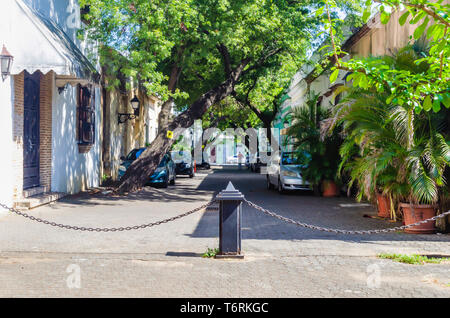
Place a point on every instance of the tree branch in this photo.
(226, 58)
(425, 9)
(262, 60)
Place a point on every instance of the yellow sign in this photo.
(170, 134)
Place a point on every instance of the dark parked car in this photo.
(184, 163)
(256, 166)
(163, 175)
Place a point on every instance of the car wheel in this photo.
(192, 174)
(172, 182)
(165, 184)
(269, 185)
(280, 187)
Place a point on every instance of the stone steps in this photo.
(38, 200)
(35, 191)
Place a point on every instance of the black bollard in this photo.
(230, 223)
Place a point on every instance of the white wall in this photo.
(6, 142)
(72, 171)
(151, 122)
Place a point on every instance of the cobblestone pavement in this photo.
(165, 261)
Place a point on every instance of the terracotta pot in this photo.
(384, 206)
(413, 213)
(330, 189)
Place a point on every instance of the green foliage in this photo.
(319, 157)
(264, 91)
(181, 144)
(145, 39)
(414, 259)
(211, 253)
(426, 90)
(229, 114)
(390, 149)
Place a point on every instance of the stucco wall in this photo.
(380, 40)
(6, 141)
(114, 143)
(73, 171)
(384, 38)
(135, 133)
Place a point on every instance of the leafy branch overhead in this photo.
(196, 53)
(426, 90)
(205, 39)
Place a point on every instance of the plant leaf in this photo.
(334, 76)
(403, 18)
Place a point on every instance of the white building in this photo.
(50, 110)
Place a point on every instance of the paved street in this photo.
(165, 261)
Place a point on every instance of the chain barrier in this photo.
(114, 229)
(251, 204)
(337, 231)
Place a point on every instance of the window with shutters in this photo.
(85, 118)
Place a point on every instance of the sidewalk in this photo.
(165, 261)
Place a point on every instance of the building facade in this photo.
(122, 134)
(50, 104)
(372, 39)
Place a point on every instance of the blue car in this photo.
(163, 175)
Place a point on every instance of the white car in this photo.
(232, 160)
(284, 173)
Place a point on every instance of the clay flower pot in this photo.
(330, 189)
(413, 213)
(384, 206)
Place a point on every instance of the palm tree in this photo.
(319, 157)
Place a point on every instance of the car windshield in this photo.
(290, 158)
(181, 156)
(134, 154)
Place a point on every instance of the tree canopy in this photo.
(196, 52)
(205, 39)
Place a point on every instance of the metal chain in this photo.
(251, 204)
(118, 229)
(337, 231)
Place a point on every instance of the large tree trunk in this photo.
(166, 107)
(164, 114)
(139, 172)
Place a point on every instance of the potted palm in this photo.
(426, 163)
(391, 152)
(321, 162)
(393, 160)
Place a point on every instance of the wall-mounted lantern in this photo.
(135, 104)
(6, 60)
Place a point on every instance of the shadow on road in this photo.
(181, 192)
(300, 206)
